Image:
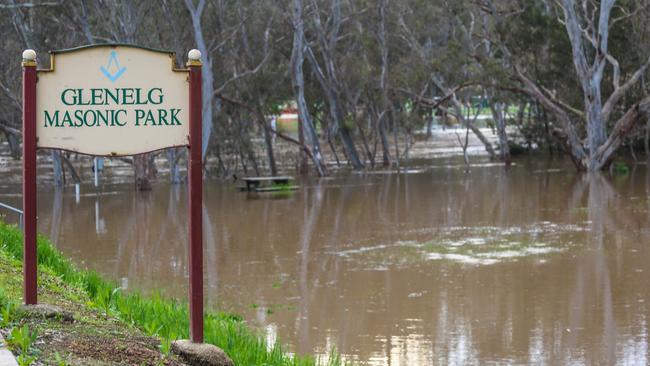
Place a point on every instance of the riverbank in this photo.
(110, 327)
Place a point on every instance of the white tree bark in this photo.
(383, 83)
(298, 83)
(327, 39)
(22, 24)
(207, 76)
(589, 35)
(498, 114)
(587, 26)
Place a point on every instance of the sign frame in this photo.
(195, 176)
(48, 72)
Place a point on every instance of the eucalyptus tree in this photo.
(10, 104)
(264, 90)
(442, 40)
(298, 83)
(603, 115)
(175, 39)
(359, 81)
(386, 111)
(493, 71)
(588, 26)
(124, 24)
(637, 34)
(327, 42)
(24, 22)
(196, 10)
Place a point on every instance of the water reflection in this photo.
(368, 264)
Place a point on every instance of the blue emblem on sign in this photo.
(112, 71)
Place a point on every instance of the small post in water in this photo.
(95, 169)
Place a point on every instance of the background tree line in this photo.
(366, 75)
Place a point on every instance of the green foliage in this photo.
(8, 313)
(25, 360)
(166, 344)
(60, 361)
(620, 167)
(283, 187)
(156, 315)
(105, 297)
(20, 339)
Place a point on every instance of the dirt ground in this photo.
(90, 339)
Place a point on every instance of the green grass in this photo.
(156, 315)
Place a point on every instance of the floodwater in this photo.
(535, 265)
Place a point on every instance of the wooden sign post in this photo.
(29, 177)
(196, 198)
(114, 100)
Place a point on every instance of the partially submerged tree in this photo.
(588, 26)
(298, 82)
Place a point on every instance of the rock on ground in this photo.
(45, 311)
(200, 354)
(6, 357)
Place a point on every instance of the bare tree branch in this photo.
(620, 91)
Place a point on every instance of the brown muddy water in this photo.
(536, 265)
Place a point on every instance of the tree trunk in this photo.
(439, 83)
(73, 172)
(366, 147)
(247, 147)
(57, 168)
(429, 125)
(383, 82)
(350, 148)
(646, 139)
(303, 166)
(268, 141)
(395, 125)
(174, 171)
(24, 27)
(498, 114)
(475, 130)
(383, 136)
(432, 115)
(333, 149)
(207, 76)
(145, 171)
(329, 80)
(14, 145)
(568, 133)
(605, 152)
(298, 83)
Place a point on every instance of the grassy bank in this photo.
(60, 282)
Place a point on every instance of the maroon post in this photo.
(196, 198)
(29, 177)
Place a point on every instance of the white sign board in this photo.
(112, 101)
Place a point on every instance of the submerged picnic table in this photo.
(277, 183)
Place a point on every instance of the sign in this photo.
(112, 100)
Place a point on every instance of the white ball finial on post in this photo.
(194, 58)
(29, 57)
(194, 55)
